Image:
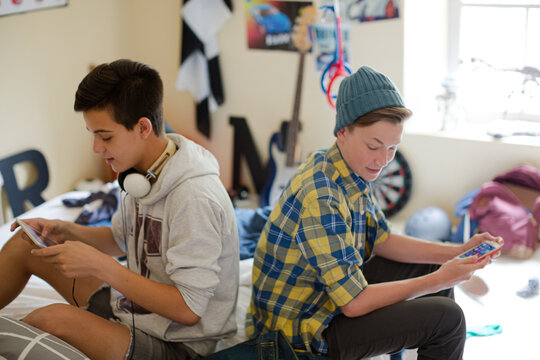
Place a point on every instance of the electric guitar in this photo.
(284, 155)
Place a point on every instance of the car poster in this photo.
(21, 6)
(270, 23)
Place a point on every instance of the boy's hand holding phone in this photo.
(488, 248)
(55, 230)
(482, 246)
(35, 235)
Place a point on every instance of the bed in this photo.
(517, 317)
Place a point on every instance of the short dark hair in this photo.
(393, 114)
(129, 89)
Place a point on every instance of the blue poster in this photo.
(271, 24)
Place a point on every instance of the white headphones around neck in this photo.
(139, 185)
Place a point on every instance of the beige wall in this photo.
(260, 85)
(44, 55)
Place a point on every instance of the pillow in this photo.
(19, 340)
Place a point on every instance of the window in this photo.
(494, 58)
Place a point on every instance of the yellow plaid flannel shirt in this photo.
(309, 258)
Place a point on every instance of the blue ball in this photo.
(430, 223)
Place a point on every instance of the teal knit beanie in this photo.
(362, 92)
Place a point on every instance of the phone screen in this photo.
(480, 250)
(35, 235)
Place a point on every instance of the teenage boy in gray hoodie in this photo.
(177, 295)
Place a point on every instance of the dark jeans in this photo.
(434, 324)
(271, 345)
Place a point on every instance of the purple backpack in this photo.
(509, 206)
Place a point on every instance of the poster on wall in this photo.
(324, 43)
(270, 24)
(21, 6)
(369, 10)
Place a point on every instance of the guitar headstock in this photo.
(301, 36)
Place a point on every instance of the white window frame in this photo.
(454, 25)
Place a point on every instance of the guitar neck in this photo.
(291, 144)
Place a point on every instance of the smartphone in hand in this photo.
(35, 235)
(488, 248)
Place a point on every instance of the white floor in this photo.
(518, 317)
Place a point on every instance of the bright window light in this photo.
(499, 60)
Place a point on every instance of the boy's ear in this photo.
(340, 133)
(144, 126)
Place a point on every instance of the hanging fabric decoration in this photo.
(199, 71)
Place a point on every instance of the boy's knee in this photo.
(18, 245)
(447, 339)
(17, 251)
(450, 306)
(52, 318)
(452, 315)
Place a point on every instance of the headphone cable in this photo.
(73, 293)
(127, 263)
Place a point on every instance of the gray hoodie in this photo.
(183, 233)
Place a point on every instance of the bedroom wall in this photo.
(45, 54)
(260, 84)
(40, 70)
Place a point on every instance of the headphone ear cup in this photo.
(137, 185)
(122, 177)
(134, 183)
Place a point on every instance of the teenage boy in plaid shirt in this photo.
(327, 271)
